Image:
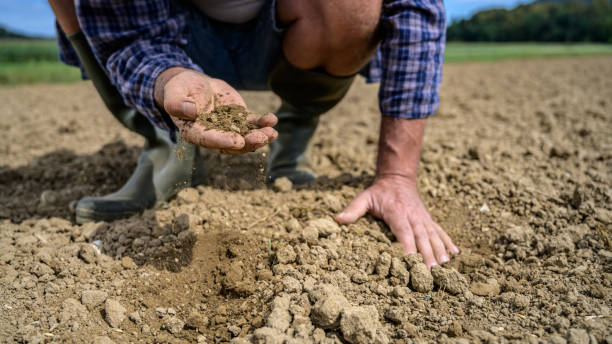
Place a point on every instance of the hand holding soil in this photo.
(187, 94)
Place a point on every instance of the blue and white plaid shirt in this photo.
(137, 40)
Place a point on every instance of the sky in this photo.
(34, 17)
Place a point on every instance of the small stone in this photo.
(485, 289)
(93, 298)
(114, 313)
(283, 184)
(360, 325)
(577, 336)
(171, 311)
(449, 280)
(421, 279)
(286, 255)
(201, 339)
(173, 325)
(145, 329)
(102, 340)
(135, 317)
(325, 227)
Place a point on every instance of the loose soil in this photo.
(227, 118)
(516, 166)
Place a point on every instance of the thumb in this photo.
(358, 207)
(187, 94)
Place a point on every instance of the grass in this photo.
(478, 52)
(34, 61)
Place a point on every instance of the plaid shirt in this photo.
(137, 40)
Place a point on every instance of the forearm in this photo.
(399, 147)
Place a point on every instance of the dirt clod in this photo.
(360, 325)
(421, 279)
(114, 313)
(227, 118)
(449, 280)
(93, 298)
(328, 305)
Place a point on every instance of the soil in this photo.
(227, 118)
(516, 166)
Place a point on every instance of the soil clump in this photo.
(232, 118)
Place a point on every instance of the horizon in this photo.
(34, 17)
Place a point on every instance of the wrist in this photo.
(397, 177)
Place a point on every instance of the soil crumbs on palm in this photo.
(227, 118)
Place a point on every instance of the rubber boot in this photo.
(160, 173)
(305, 95)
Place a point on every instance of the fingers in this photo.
(215, 139)
(254, 140)
(270, 133)
(450, 246)
(424, 245)
(403, 232)
(262, 121)
(437, 245)
(358, 207)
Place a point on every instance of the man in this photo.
(170, 60)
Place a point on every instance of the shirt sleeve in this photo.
(136, 41)
(412, 55)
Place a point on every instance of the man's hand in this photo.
(394, 198)
(185, 93)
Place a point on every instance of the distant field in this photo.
(33, 61)
(475, 52)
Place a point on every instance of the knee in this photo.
(324, 30)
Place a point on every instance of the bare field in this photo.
(517, 166)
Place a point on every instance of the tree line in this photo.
(542, 21)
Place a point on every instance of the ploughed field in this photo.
(516, 166)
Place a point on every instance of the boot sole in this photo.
(84, 216)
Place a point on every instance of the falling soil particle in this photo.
(227, 118)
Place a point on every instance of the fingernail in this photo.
(189, 109)
(444, 259)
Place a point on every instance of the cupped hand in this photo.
(185, 93)
(395, 200)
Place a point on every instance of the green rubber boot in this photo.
(160, 173)
(305, 94)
